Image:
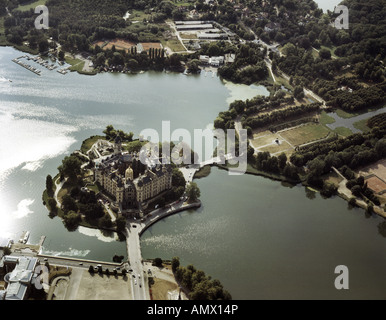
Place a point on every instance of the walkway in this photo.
(59, 186)
(133, 231)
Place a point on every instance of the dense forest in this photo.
(248, 67)
(345, 67)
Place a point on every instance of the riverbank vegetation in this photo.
(197, 285)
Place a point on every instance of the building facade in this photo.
(129, 182)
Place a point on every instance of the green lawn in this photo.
(343, 131)
(362, 125)
(174, 45)
(31, 5)
(76, 64)
(305, 134)
(326, 119)
(137, 15)
(344, 114)
(87, 144)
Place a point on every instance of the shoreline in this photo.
(342, 195)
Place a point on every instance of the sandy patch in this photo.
(103, 287)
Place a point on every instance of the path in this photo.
(112, 215)
(59, 186)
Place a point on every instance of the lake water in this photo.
(44, 118)
(259, 238)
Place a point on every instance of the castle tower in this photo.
(129, 174)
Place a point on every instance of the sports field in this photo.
(286, 140)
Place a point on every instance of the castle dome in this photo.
(129, 174)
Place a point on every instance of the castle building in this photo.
(116, 175)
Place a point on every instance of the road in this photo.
(134, 229)
(135, 260)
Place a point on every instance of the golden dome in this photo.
(129, 174)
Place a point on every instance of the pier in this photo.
(39, 60)
(27, 66)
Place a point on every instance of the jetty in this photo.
(24, 237)
(27, 66)
(62, 71)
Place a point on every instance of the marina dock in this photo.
(24, 237)
(27, 66)
(39, 60)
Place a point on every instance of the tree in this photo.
(356, 190)
(325, 54)
(43, 45)
(70, 167)
(132, 64)
(282, 158)
(71, 220)
(298, 92)
(193, 65)
(175, 263)
(193, 191)
(105, 222)
(157, 262)
(178, 179)
(61, 55)
(69, 204)
(49, 184)
(121, 223)
(100, 59)
(52, 205)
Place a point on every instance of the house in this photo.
(272, 26)
(211, 36)
(214, 61)
(230, 58)
(200, 26)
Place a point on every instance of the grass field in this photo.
(188, 36)
(87, 144)
(137, 15)
(325, 118)
(289, 138)
(264, 140)
(304, 134)
(361, 125)
(275, 148)
(76, 64)
(31, 5)
(343, 131)
(344, 114)
(174, 45)
(315, 53)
